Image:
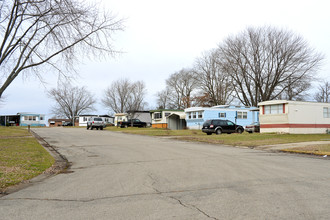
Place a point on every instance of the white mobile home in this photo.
(82, 119)
(294, 117)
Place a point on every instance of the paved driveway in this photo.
(120, 176)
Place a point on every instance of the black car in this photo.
(219, 126)
(67, 123)
(133, 122)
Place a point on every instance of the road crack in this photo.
(189, 206)
(192, 207)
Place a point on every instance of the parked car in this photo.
(67, 123)
(136, 123)
(254, 127)
(95, 122)
(219, 126)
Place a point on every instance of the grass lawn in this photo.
(21, 156)
(322, 149)
(245, 139)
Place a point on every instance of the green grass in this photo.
(21, 157)
(155, 131)
(322, 149)
(6, 132)
(245, 139)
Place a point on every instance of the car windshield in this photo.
(97, 119)
(207, 123)
(230, 123)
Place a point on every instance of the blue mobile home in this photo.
(23, 119)
(242, 115)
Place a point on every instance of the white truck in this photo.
(95, 122)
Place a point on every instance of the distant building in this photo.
(242, 115)
(23, 119)
(142, 116)
(294, 117)
(161, 119)
(119, 117)
(82, 119)
(56, 122)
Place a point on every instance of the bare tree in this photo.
(217, 87)
(182, 84)
(323, 94)
(262, 61)
(51, 34)
(71, 101)
(136, 99)
(116, 96)
(163, 98)
(297, 90)
(124, 96)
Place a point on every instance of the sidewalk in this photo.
(291, 145)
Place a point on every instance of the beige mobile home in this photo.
(294, 117)
(167, 118)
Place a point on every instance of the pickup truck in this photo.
(136, 123)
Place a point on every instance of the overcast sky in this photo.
(162, 37)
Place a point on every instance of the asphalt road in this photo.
(121, 176)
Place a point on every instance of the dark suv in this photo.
(221, 126)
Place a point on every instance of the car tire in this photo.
(250, 132)
(240, 131)
(101, 128)
(218, 131)
(92, 128)
(87, 127)
(209, 133)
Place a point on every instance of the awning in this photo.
(181, 115)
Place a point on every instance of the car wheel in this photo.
(101, 128)
(92, 127)
(208, 133)
(250, 132)
(218, 131)
(97, 128)
(240, 131)
(87, 127)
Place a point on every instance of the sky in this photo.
(162, 37)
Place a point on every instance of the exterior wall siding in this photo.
(38, 122)
(230, 113)
(297, 117)
(159, 125)
(163, 121)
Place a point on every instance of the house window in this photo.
(194, 115)
(200, 115)
(273, 109)
(326, 112)
(189, 115)
(157, 115)
(241, 115)
(30, 118)
(222, 115)
(41, 118)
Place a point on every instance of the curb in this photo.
(60, 165)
